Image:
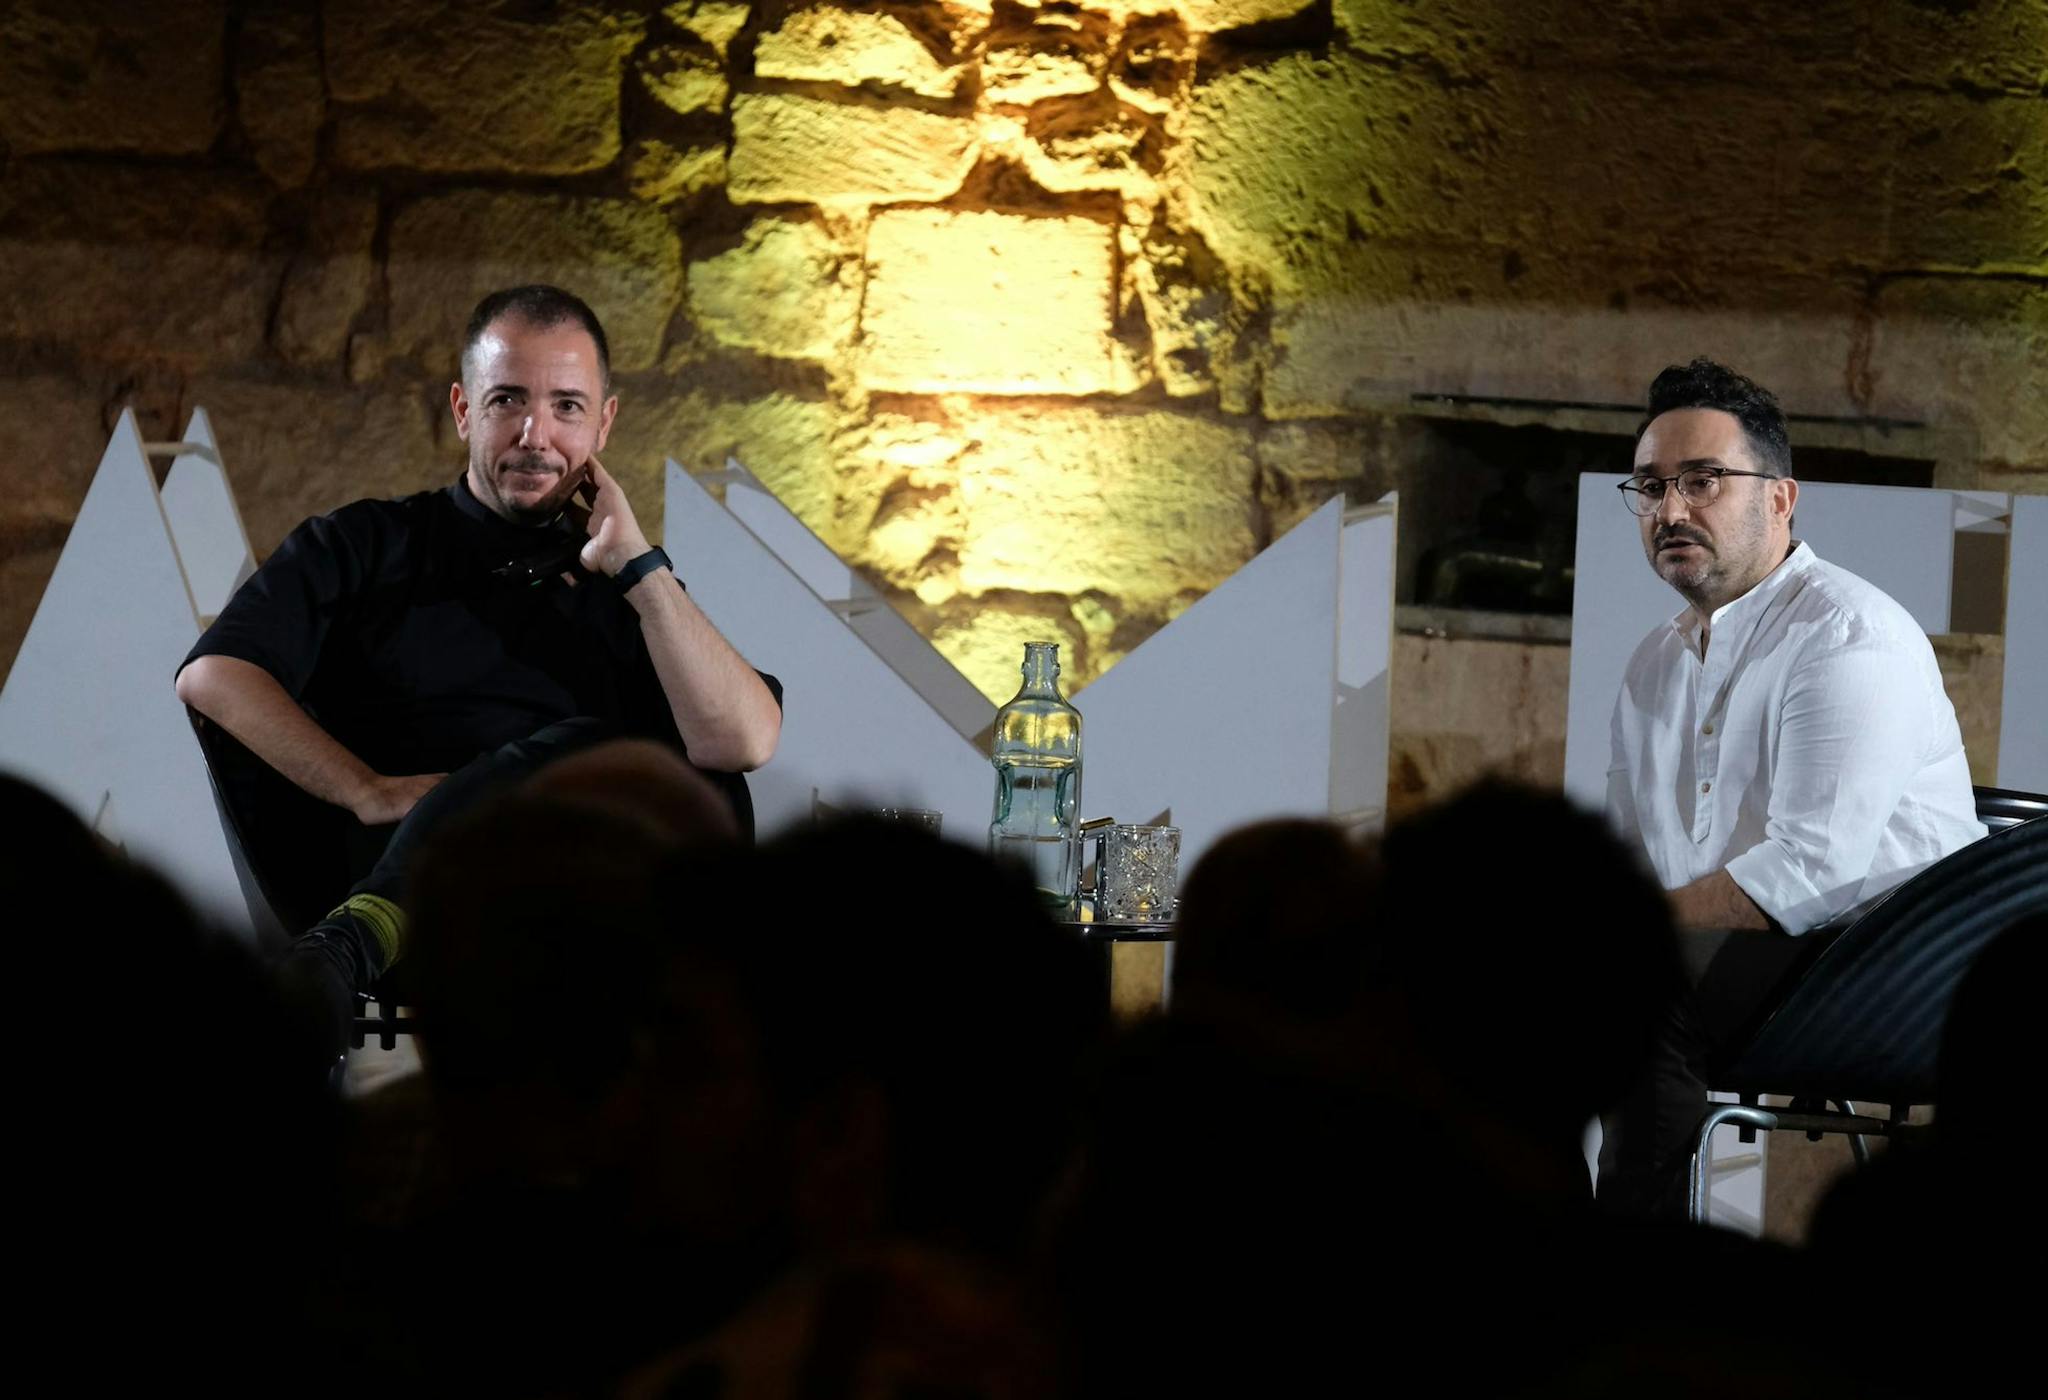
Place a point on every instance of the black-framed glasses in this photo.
(1698, 486)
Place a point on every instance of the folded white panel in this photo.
(1225, 716)
(206, 525)
(89, 713)
(855, 733)
(900, 645)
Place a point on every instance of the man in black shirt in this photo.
(477, 630)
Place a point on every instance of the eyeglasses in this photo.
(1698, 486)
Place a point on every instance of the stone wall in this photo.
(1048, 315)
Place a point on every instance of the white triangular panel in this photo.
(1225, 716)
(88, 711)
(205, 523)
(854, 732)
(884, 629)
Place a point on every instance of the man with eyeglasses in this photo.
(1783, 749)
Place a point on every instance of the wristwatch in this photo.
(641, 566)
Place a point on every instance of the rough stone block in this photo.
(127, 262)
(104, 75)
(531, 89)
(1093, 143)
(716, 22)
(661, 174)
(852, 47)
(448, 251)
(788, 289)
(1018, 75)
(1432, 321)
(783, 439)
(280, 97)
(329, 281)
(682, 79)
(986, 645)
(991, 302)
(789, 149)
(1966, 351)
(1968, 183)
(1185, 293)
(1216, 16)
(1463, 710)
(1304, 464)
(55, 429)
(1144, 506)
(1991, 46)
(1300, 159)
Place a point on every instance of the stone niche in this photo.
(1047, 315)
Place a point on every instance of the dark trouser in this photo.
(1734, 977)
(338, 959)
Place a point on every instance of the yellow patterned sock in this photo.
(384, 920)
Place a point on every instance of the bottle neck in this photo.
(1041, 670)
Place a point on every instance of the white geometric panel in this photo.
(206, 525)
(1365, 646)
(854, 732)
(1224, 716)
(2023, 726)
(88, 711)
(1900, 538)
(887, 631)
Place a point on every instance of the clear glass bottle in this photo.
(1038, 782)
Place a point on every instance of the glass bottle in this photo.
(1037, 754)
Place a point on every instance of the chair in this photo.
(292, 852)
(1864, 1021)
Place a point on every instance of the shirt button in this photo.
(1706, 729)
(1706, 787)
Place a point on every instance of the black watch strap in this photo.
(641, 566)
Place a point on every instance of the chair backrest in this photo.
(291, 846)
(1999, 808)
(1865, 1021)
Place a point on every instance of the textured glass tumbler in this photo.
(1139, 874)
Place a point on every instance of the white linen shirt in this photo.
(1812, 751)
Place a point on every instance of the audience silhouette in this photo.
(845, 1114)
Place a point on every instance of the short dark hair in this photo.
(1705, 383)
(540, 306)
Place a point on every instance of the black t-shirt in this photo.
(387, 622)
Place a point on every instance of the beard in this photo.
(1719, 571)
(1687, 574)
(533, 512)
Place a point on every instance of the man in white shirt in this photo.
(1783, 750)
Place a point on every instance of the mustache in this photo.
(1667, 533)
(531, 462)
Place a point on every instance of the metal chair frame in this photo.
(2001, 810)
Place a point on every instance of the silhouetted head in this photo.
(1273, 921)
(1528, 952)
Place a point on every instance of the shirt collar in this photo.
(1746, 609)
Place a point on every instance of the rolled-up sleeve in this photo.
(1846, 750)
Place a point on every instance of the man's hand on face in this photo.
(615, 536)
(388, 800)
